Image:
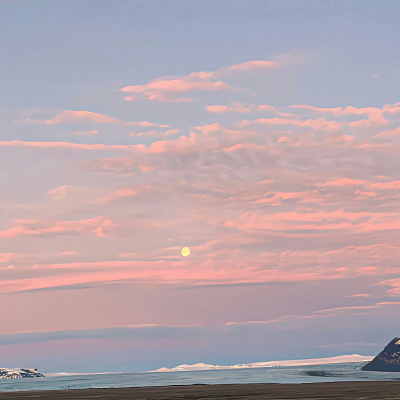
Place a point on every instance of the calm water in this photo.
(303, 374)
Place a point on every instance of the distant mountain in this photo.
(388, 360)
(6, 373)
(269, 364)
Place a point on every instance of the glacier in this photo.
(269, 364)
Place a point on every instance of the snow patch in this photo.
(16, 373)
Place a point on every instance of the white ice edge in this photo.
(208, 367)
(269, 364)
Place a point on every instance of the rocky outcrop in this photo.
(6, 373)
(388, 360)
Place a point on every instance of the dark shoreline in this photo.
(251, 391)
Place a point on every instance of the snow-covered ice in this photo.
(269, 364)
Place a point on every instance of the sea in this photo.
(296, 374)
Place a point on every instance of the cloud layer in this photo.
(295, 202)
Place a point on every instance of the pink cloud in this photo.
(216, 128)
(391, 108)
(177, 86)
(307, 195)
(350, 308)
(86, 226)
(234, 148)
(279, 121)
(124, 192)
(164, 89)
(252, 65)
(337, 220)
(232, 108)
(353, 257)
(68, 116)
(329, 312)
(148, 133)
(160, 272)
(393, 133)
(78, 146)
(368, 194)
(67, 253)
(385, 185)
(113, 164)
(274, 198)
(173, 272)
(395, 284)
(80, 133)
(121, 193)
(322, 124)
(184, 144)
(375, 115)
(146, 168)
(154, 133)
(242, 67)
(360, 295)
(360, 124)
(6, 257)
(344, 139)
(147, 124)
(172, 132)
(264, 107)
(236, 107)
(367, 270)
(60, 192)
(243, 146)
(344, 182)
(317, 124)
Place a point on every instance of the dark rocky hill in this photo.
(388, 360)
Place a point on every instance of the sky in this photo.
(263, 135)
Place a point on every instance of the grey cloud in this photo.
(117, 333)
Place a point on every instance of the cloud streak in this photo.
(73, 117)
(167, 89)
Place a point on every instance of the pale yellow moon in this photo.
(185, 251)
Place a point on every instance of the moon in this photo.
(185, 251)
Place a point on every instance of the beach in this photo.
(253, 391)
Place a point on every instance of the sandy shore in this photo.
(320, 391)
